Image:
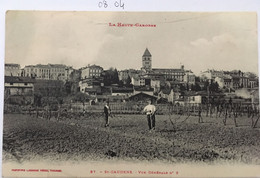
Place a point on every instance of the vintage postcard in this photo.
(131, 94)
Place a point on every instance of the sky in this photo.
(199, 41)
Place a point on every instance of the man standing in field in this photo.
(30, 110)
(107, 111)
(200, 117)
(150, 112)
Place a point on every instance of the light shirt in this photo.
(149, 109)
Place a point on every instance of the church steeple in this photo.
(147, 53)
(147, 60)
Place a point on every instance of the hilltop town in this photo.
(42, 84)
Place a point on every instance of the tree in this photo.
(214, 87)
(68, 87)
(182, 88)
(206, 85)
(120, 83)
(110, 76)
(115, 77)
(192, 87)
(37, 99)
(197, 87)
(74, 78)
(197, 79)
(106, 75)
(188, 87)
(251, 75)
(128, 81)
(80, 97)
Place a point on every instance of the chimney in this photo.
(182, 67)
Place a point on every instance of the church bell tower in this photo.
(147, 60)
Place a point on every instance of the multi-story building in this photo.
(189, 77)
(211, 74)
(46, 72)
(225, 81)
(124, 74)
(68, 71)
(168, 73)
(135, 80)
(253, 83)
(91, 85)
(170, 95)
(12, 70)
(231, 79)
(149, 79)
(235, 81)
(171, 74)
(156, 84)
(244, 81)
(154, 80)
(91, 71)
(19, 90)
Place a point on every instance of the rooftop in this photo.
(147, 53)
(167, 70)
(48, 66)
(203, 93)
(13, 79)
(143, 88)
(144, 94)
(12, 65)
(166, 91)
(92, 66)
(122, 90)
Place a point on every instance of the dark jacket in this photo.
(107, 110)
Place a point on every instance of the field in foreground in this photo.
(27, 138)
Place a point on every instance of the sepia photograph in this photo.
(131, 94)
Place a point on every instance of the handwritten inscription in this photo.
(106, 4)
